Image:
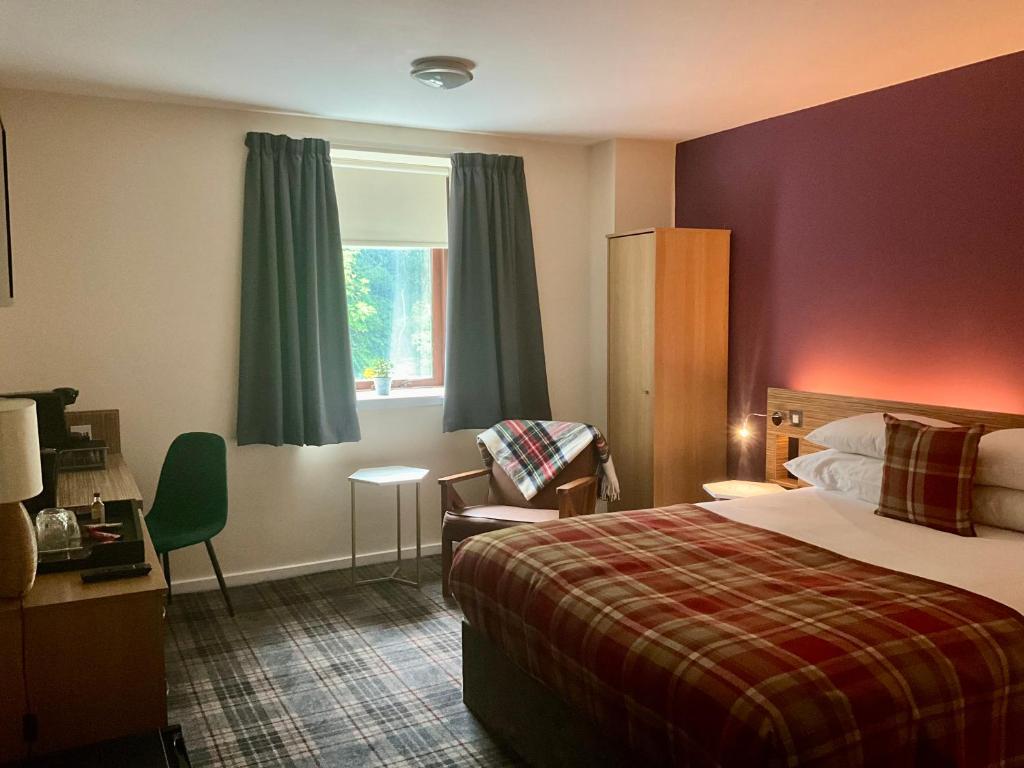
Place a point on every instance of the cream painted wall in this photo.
(126, 221)
(645, 180)
(601, 224)
(632, 186)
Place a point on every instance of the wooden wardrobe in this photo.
(668, 354)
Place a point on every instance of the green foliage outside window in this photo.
(389, 309)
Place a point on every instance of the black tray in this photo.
(130, 548)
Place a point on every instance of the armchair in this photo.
(572, 492)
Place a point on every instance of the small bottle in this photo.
(99, 510)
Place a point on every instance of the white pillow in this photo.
(846, 473)
(998, 507)
(864, 434)
(1001, 459)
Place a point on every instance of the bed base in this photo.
(528, 718)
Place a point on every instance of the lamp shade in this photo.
(21, 472)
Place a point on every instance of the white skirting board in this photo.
(209, 583)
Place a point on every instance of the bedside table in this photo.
(740, 489)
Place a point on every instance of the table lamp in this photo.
(21, 478)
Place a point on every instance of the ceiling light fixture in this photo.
(445, 72)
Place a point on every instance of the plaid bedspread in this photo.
(532, 453)
(703, 642)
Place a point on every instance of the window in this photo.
(394, 230)
(396, 302)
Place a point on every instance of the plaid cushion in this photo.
(928, 474)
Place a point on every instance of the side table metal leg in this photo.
(352, 493)
(417, 534)
(398, 514)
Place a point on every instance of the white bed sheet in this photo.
(990, 564)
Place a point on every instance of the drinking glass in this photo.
(52, 530)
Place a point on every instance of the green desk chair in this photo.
(191, 504)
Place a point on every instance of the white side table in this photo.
(381, 476)
(740, 489)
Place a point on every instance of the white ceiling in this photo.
(571, 68)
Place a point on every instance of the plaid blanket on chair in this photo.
(532, 453)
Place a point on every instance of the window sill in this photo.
(402, 397)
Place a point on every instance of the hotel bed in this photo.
(790, 629)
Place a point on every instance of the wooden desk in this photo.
(94, 653)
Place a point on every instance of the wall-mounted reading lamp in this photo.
(745, 431)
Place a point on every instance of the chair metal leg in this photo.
(166, 557)
(220, 576)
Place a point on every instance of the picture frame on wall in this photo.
(6, 256)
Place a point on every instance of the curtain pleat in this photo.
(494, 354)
(295, 383)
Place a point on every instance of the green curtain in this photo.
(295, 383)
(494, 354)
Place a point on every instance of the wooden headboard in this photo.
(818, 409)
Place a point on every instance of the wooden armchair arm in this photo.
(458, 478)
(450, 498)
(578, 497)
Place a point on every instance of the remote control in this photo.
(116, 572)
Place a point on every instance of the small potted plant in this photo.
(380, 372)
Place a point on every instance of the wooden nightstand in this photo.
(740, 489)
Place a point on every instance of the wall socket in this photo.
(796, 418)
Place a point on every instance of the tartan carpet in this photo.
(314, 672)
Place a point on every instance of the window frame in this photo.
(438, 302)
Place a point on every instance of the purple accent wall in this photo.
(877, 246)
